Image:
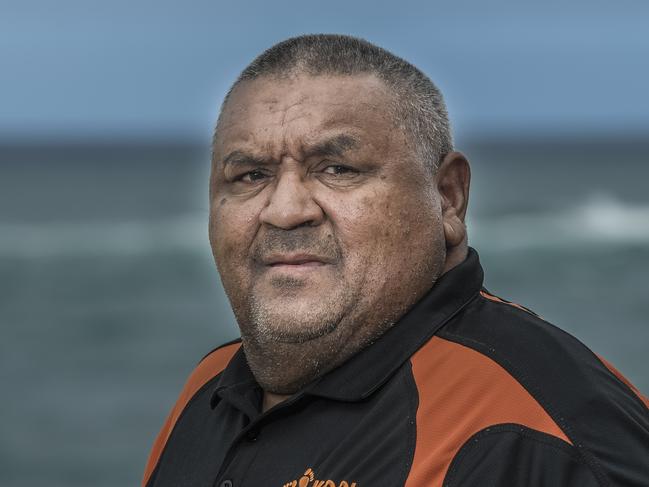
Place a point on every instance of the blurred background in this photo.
(108, 294)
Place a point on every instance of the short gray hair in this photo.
(419, 106)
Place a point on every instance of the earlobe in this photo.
(449, 233)
(454, 228)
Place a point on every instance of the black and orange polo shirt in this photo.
(465, 390)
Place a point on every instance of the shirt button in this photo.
(226, 483)
(252, 434)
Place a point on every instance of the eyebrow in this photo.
(334, 146)
(241, 158)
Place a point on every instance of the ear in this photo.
(453, 178)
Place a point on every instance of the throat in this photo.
(271, 400)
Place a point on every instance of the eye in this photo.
(251, 176)
(339, 170)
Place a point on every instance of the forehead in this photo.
(270, 112)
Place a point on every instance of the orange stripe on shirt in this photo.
(207, 369)
(619, 375)
(461, 392)
(496, 299)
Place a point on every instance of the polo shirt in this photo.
(467, 389)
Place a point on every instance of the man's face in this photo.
(324, 225)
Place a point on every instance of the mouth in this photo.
(295, 262)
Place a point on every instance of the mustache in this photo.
(303, 240)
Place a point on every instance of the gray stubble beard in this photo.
(269, 325)
(287, 352)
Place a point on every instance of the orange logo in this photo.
(309, 480)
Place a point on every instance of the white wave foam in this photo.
(601, 220)
(58, 239)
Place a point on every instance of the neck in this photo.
(271, 399)
(455, 256)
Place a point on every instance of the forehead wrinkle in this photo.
(286, 109)
(295, 118)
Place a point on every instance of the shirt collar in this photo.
(238, 386)
(369, 369)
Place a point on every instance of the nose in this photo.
(291, 204)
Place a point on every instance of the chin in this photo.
(290, 326)
(279, 385)
(286, 368)
(297, 318)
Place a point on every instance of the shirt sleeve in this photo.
(515, 456)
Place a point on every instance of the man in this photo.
(370, 354)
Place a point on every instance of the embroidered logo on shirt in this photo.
(309, 480)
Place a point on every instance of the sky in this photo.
(133, 69)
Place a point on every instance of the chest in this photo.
(314, 442)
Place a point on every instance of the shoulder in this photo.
(209, 367)
(213, 363)
(468, 401)
(551, 382)
(549, 362)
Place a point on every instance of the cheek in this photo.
(368, 228)
(231, 230)
(383, 231)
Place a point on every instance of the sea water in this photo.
(109, 296)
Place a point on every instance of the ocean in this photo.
(109, 296)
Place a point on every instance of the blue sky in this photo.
(158, 69)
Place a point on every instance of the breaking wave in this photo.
(599, 221)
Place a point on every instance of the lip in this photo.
(295, 261)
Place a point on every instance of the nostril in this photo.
(310, 223)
